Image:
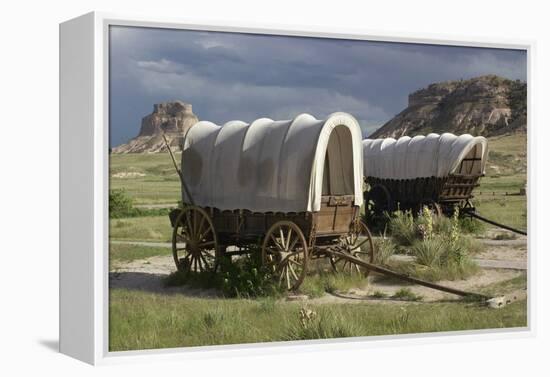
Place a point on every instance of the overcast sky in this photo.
(228, 76)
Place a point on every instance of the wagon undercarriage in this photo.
(287, 242)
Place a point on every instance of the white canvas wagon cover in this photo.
(424, 156)
(273, 166)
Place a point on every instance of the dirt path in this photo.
(502, 260)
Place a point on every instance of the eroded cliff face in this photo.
(486, 105)
(172, 119)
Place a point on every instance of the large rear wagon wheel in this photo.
(357, 243)
(194, 241)
(285, 254)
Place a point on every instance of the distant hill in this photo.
(487, 105)
(172, 119)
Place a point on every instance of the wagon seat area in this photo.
(464, 176)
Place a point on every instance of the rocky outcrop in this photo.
(172, 119)
(486, 105)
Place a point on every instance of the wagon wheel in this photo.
(194, 241)
(432, 205)
(285, 254)
(357, 243)
(378, 201)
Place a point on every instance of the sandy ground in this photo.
(502, 260)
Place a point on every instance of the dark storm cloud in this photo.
(241, 76)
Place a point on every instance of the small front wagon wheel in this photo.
(357, 243)
(194, 241)
(285, 254)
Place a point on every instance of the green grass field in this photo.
(149, 228)
(147, 178)
(128, 253)
(505, 174)
(141, 320)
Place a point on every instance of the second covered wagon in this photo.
(290, 189)
(439, 171)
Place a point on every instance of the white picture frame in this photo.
(84, 145)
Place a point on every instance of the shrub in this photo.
(242, 278)
(120, 203)
(428, 252)
(402, 228)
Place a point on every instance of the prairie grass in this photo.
(319, 283)
(128, 253)
(406, 294)
(385, 249)
(143, 320)
(150, 228)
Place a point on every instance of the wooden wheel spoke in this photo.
(208, 243)
(277, 243)
(296, 239)
(292, 271)
(360, 244)
(199, 229)
(199, 259)
(288, 248)
(287, 278)
(208, 231)
(188, 222)
(282, 237)
(295, 262)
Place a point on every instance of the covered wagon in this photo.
(439, 171)
(289, 189)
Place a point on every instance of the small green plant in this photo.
(322, 282)
(406, 294)
(428, 252)
(242, 278)
(379, 294)
(320, 325)
(402, 228)
(385, 249)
